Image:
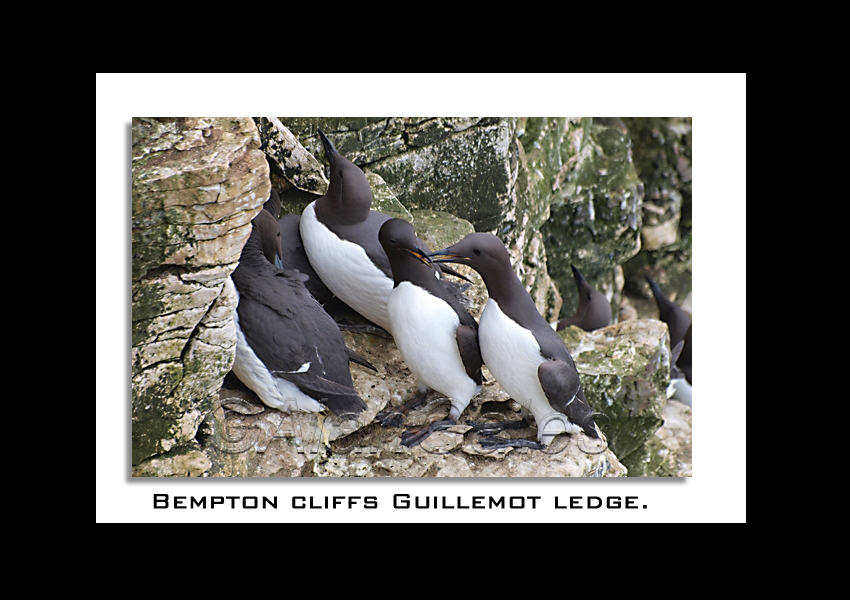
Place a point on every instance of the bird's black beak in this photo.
(420, 254)
(329, 148)
(656, 291)
(577, 274)
(446, 256)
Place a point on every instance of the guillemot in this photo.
(288, 350)
(436, 336)
(522, 351)
(270, 238)
(679, 323)
(281, 244)
(593, 311)
(289, 250)
(340, 236)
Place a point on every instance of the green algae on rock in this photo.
(624, 370)
(662, 150)
(596, 213)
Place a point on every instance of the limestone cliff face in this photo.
(197, 183)
(611, 196)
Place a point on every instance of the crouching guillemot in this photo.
(282, 251)
(436, 336)
(522, 351)
(288, 350)
(340, 236)
(290, 249)
(594, 310)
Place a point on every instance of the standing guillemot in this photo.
(522, 351)
(288, 350)
(679, 323)
(340, 235)
(594, 310)
(436, 336)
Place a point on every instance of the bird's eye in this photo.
(476, 251)
(392, 241)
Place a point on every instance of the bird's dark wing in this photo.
(356, 358)
(470, 351)
(562, 387)
(280, 337)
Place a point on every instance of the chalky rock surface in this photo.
(196, 185)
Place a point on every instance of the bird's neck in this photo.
(406, 268)
(513, 299)
(332, 209)
(252, 253)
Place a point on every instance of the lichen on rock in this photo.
(196, 185)
(625, 371)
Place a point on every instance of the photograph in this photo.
(411, 297)
(445, 319)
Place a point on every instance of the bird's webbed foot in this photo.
(414, 437)
(497, 443)
(394, 416)
(485, 428)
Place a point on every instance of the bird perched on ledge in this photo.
(288, 350)
(522, 351)
(436, 336)
(594, 310)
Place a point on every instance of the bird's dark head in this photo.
(585, 290)
(660, 298)
(272, 205)
(581, 282)
(399, 241)
(266, 227)
(484, 252)
(348, 189)
(330, 151)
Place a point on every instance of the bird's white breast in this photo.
(512, 355)
(346, 270)
(681, 390)
(425, 331)
(273, 391)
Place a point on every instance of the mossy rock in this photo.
(596, 213)
(625, 370)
